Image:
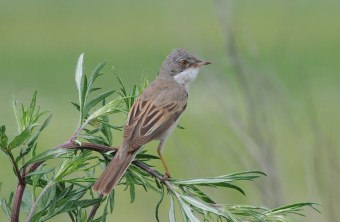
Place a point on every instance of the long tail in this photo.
(114, 171)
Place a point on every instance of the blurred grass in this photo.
(293, 43)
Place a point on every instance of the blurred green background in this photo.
(270, 100)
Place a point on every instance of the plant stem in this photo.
(19, 191)
(146, 168)
(16, 168)
(35, 204)
(94, 209)
(80, 128)
(17, 202)
(155, 174)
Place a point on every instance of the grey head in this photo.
(178, 61)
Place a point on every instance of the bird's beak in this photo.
(202, 63)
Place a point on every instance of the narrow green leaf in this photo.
(93, 102)
(38, 115)
(39, 130)
(79, 73)
(119, 128)
(26, 203)
(179, 126)
(106, 130)
(132, 192)
(37, 217)
(3, 137)
(111, 200)
(87, 202)
(94, 89)
(146, 156)
(22, 137)
(83, 97)
(40, 172)
(49, 154)
(121, 83)
(203, 206)
(111, 107)
(6, 207)
(76, 105)
(105, 213)
(159, 204)
(294, 207)
(94, 139)
(187, 211)
(32, 105)
(15, 110)
(220, 180)
(172, 214)
(96, 73)
(200, 194)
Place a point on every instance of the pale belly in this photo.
(168, 132)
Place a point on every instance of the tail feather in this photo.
(114, 171)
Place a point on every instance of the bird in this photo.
(154, 115)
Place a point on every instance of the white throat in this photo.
(186, 77)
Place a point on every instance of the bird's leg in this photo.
(159, 151)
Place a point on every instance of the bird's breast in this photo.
(186, 77)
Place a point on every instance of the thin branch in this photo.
(149, 170)
(94, 209)
(154, 173)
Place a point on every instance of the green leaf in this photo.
(26, 203)
(93, 102)
(105, 213)
(111, 200)
(94, 89)
(119, 128)
(40, 129)
(106, 130)
(31, 108)
(22, 137)
(3, 137)
(179, 126)
(49, 154)
(132, 192)
(94, 139)
(203, 206)
(79, 73)
(222, 181)
(96, 73)
(187, 210)
(6, 206)
(112, 107)
(87, 202)
(83, 97)
(198, 193)
(172, 210)
(293, 208)
(145, 156)
(76, 105)
(159, 204)
(40, 172)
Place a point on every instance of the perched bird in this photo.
(154, 115)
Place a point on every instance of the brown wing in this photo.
(149, 117)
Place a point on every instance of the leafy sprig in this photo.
(65, 187)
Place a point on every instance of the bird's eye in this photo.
(184, 62)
